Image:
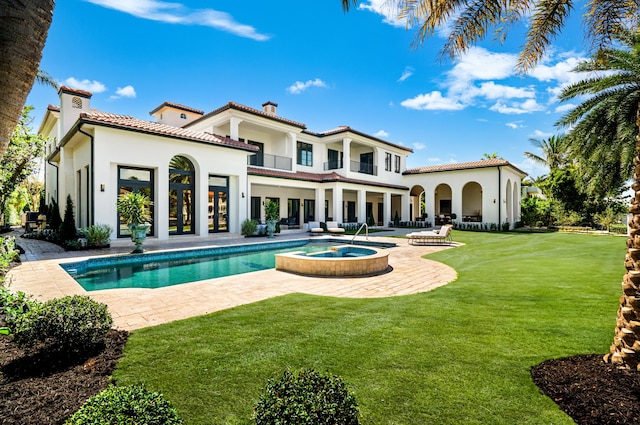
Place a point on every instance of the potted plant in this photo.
(271, 215)
(134, 210)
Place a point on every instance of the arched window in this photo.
(181, 196)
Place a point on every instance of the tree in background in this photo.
(24, 29)
(19, 161)
(68, 229)
(553, 149)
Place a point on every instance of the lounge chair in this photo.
(332, 227)
(436, 237)
(315, 228)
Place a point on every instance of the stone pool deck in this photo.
(40, 275)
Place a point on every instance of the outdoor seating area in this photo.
(333, 228)
(435, 237)
(315, 228)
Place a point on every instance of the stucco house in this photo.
(207, 173)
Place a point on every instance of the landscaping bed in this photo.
(45, 389)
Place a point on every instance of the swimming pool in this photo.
(159, 269)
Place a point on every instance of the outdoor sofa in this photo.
(435, 237)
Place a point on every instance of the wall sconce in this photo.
(243, 194)
(494, 200)
(101, 187)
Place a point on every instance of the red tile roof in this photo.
(346, 128)
(313, 177)
(462, 166)
(83, 93)
(126, 122)
(243, 108)
(176, 106)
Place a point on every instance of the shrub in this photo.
(306, 397)
(8, 254)
(68, 229)
(14, 306)
(248, 227)
(126, 405)
(98, 235)
(74, 323)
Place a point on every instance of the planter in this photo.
(271, 227)
(138, 235)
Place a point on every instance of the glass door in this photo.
(218, 214)
(181, 201)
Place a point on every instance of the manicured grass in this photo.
(459, 354)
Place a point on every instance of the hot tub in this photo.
(340, 261)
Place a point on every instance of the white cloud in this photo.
(565, 108)
(525, 107)
(381, 133)
(433, 159)
(432, 101)
(419, 146)
(87, 85)
(491, 90)
(539, 134)
(299, 86)
(385, 8)
(176, 13)
(532, 168)
(480, 64)
(515, 124)
(127, 91)
(408, 72)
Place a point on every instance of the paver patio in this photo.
(41, 276)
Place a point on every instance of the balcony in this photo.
(364, 168)
(333, 165)
(270, 161)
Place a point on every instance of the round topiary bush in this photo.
(74, 323)
(130, 405)
(306, 397)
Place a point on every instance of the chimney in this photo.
(270, 107)
(73, 102)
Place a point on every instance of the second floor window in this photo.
(397, 163)
(387, 162)
(305, 154)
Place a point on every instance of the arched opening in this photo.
(515, 204)
(181, 196)
(472, 202)
(442, 202)
(418, 209)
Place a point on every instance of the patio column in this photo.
(387, 209)
(234, 131)
(346, 156)
(406, 205)
(338, 208)
(319, 212)
(292, 147)
(362, 206)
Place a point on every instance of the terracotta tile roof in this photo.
(462, 166)
(83, 93)
(319, 178)
(177, 106)
(243, 108)
(130, 123)
(346, 128)
(53, 108)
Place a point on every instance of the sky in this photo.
(324, 67)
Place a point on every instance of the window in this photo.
(387, 162)
(305, 154)
(397, 163)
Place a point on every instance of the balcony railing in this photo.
(270, 161)
(364, 168)
(333, 165)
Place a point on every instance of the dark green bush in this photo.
(306, 397)
(74, 323)
(68, 229)
(130, 405)
(14, 306)
(248, 227)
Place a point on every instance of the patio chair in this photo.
(436, 237)
(315, 228)
(333, 228)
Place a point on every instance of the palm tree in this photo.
(23, 32)
(45, 79)
(554, 151)
(488, 156)
(472, 21)
(605, 128)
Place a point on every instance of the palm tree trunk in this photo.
(625, 350)
(25, 24)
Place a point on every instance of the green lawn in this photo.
(459, 354)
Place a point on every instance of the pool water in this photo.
(156, 270)
(343, 252)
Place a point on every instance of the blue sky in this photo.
(323, 67)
